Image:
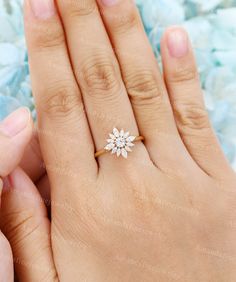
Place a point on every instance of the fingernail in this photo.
(177, 41)
(43, 9)
(109, 2)
(15, 122)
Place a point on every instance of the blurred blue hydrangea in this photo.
(15, 87)
(212, 28)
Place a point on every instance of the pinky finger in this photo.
(183, 84)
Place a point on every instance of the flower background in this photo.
(212, 28)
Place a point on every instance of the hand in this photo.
(167, 212)
(15, 134)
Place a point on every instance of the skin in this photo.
(166, 213)
(10, 146)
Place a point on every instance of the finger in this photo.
(185, 92)
(97, 72)
(33, 165)
(144, 82)
(15, 134)
(44, 188)
(62, 123)
(32, 161)
(6, 259)
(24, 222)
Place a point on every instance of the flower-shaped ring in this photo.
(119, 143)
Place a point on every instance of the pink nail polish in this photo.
(15, 122)
(177, 41)
(43, 9)
(109, 2)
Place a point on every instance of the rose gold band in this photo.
(103, 151)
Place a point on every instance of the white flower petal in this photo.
(126, 134)
(118, 152)
(116, 132)
(124, 153)
(127, 148)
(110, 140)
(122, 132)
(130, 138)
(112, 136)
(130, 144)
(114, 150)
(109, 146)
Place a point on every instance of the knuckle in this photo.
(75, 8)
(47, 38)
(61, 101)
(99, 75)
(19, 225)
(184, 74)
(50, 275)
(143, 88)
(192, 116)
(126, 22)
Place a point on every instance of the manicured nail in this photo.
(15, 122)
(109, 2)
(43, 9)
(177, 41)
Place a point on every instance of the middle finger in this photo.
(144, 84)
(97, 72)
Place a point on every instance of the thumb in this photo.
(15, 134)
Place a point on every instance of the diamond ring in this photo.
(119, 143)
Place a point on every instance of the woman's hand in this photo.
(167, 212)
(15, 134)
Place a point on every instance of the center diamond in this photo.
(120, 142)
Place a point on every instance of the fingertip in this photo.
(18, 143)
(176, 42)
(25, 192)
(19, 180)
(16, 122)
(15, 134)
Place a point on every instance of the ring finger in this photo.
(144, 84)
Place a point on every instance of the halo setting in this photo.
(120, 143)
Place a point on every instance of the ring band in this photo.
(119, 143)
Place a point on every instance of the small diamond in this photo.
(130, 138)
(118, 152)
(128, 149)
(120, 142)
(124, 153)
(116, 132)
